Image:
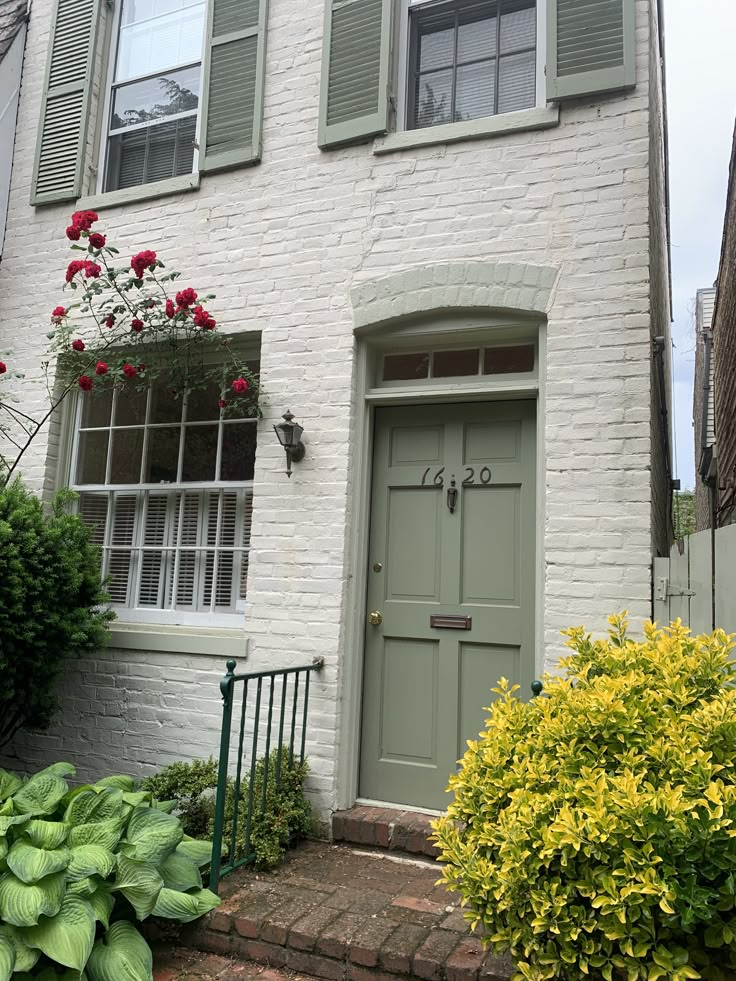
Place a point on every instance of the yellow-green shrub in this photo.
(593, 829)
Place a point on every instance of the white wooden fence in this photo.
(685, 587)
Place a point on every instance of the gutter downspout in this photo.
(707, 350)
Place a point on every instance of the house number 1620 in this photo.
(484, 476)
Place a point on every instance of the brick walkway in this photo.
(191, 965)
(339, 913)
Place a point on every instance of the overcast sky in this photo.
(701, 93)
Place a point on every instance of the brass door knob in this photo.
(375, 618)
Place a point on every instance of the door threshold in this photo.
(367, 802)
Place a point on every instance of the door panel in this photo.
(425, 687)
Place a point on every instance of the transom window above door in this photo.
(154, 93)
(469, 59)
(165, 483)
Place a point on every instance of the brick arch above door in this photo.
(473, 284)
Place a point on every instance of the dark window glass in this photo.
(96, 409)
(506, 360)
(238, 451)
(405, 367)
(92, 458)
(200, 453)
(163, 455)
(447, 364)
(127, 450)
(151, 154)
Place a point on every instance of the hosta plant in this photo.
(79, 866)
(593, 830)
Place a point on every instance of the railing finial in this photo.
(537, 688)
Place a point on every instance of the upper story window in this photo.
(166, 485)
(469, 59)
(153, 103)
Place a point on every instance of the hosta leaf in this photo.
(7, 959)
(9, 784)
(94, 806)
(84, 887)
(25, 956)
(31, 864)
(105, 833)
(50, 975)
(180, 873)
(66, 938)
(167, 806)
(151, 835)
(6, 823)
(139, 883)
(121, 955)
(60, 769)
(102, 902)
(22, 904)
(41, 794)
(185, 906)
(46, 834)
(199, 851)
(117, 783)
(138, 797)
(90, 860)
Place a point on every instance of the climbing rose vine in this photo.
(124, 330)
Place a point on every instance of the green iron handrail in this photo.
(291, 734)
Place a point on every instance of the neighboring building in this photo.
(13, 16)
(704, 404)
(451, 259)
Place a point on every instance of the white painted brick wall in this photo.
(281, 245)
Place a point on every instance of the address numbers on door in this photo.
(472, 476)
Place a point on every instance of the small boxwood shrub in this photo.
(287, 814)
(593, 829)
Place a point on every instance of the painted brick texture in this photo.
(282, 245)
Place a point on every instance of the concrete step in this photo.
(396, 830)
(346, 914)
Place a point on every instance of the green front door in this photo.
(450, 588)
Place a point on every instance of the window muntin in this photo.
(459, 362)
(470, 59)
(155, 92)
(166, 486)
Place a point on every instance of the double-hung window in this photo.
(165, 483)
(469, 59)
(153, 102)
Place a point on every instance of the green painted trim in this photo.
(471, 129)
(230, 159)
(590, 83)
(86, 86)
(213, 641)
(141, 192)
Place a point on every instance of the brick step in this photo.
(378, 827)
(346, 914)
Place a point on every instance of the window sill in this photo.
(222, 642)
(141, 192)
(471, 129)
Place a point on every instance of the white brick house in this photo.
(429, 297)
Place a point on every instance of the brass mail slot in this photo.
(450, 622)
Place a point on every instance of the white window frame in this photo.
(402, 102)
(105, 133)
(151, 615)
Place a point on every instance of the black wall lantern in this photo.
(290, 437)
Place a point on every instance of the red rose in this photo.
(187, 297)
(74, 267)
(86, 383)
(92, 270)
(101, 368)
(97, 240)
(84, 219)
(129, 371)
(170, 308)
(240, 386)
(203, 319)
(142, 261)
(78, 345)
(3, 367)
(136, 325)
(222, 403)
(109, 320)
(57, 313)
(141, 367)
(73, 233)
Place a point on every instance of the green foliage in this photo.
(285, 815)
(51, 603)
(684, 513)
(593, 830)
(78, 866)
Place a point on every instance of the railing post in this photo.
(227, 689)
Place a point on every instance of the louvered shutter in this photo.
(591, 47)
(356, 70)
(232, 102)
(62, 132)
(120, 555)
(153, 562)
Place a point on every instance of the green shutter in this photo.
(592, 47)
(62, 133)
(232, 102)
(356, 63)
